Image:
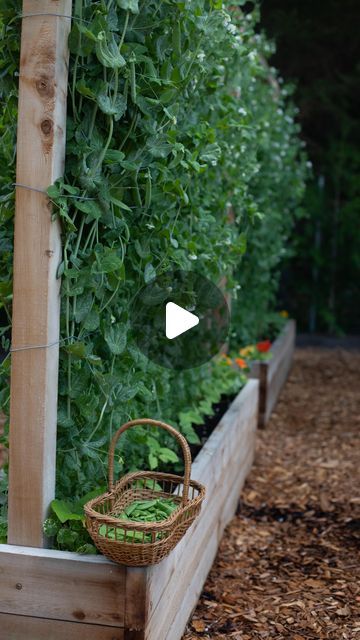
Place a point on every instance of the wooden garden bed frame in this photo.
(65, 596)
(272, 373)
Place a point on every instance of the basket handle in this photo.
(178, 436)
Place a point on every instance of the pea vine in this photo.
(182, 152)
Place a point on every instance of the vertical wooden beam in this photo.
(37, 253)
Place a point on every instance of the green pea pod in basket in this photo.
(174, 500)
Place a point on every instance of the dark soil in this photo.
(288, 566)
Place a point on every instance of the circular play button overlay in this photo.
(180, 320)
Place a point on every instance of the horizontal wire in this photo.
(50, 344)
(25, 186)
(35, 346)
(56, 15)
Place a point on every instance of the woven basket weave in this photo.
(158, 538)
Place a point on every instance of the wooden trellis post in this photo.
(37, 253)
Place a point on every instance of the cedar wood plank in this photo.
(37, 254)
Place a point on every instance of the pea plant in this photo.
(181, 153)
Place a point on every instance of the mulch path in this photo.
(288, 566)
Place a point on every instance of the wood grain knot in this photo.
(18, 586)
(44, 87)
(79, 615)
(47, 126)
(49, 252)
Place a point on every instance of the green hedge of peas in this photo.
(182, 152)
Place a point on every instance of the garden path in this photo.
(287, 564)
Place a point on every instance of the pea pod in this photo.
(148, 191)
(132, 61)
(176, 39)
(140, 511)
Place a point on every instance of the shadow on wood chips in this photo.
(288, 564)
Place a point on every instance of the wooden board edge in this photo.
(39, 552)
(17, 627)
(136, 601)
(222, 514)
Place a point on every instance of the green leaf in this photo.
(159, 146)
(53, 191)
(77, 349)
(129, 5)
(91, 207)
(113, 155)
(153, 461)
(83, 306)
(211, 153)
(87, 548)
(108, 262)
(84, 90)
(167, 455)
(115, 337)
(149, 273)
(92, 320)
(64, 511)
(111, 108)
(107, 51)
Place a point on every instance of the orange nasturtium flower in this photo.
(226, 359)
(241, 363)
(284, 314)
(263, 346)
(246, 351)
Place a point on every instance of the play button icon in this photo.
(180, 320)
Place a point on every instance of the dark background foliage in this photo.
(318, 47)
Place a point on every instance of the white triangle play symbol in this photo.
(178, 320)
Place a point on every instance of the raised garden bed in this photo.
(64, 596)
(272, 374)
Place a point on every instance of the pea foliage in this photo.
(182, 152)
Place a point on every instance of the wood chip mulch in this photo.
(288, 566)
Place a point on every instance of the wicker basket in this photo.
(158, 538)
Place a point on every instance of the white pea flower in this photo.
(231, 28)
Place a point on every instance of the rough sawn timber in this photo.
(58, 595)
(37, 254)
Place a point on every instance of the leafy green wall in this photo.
(182, 152)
